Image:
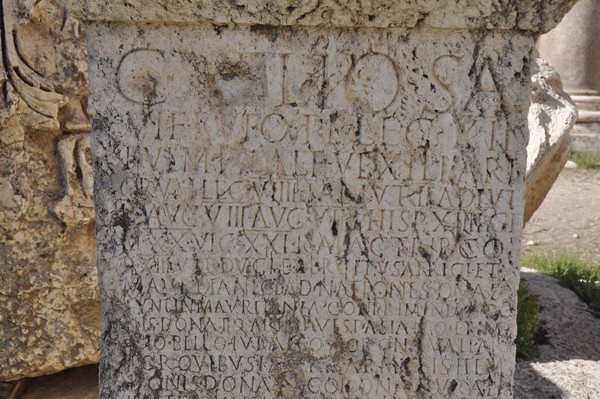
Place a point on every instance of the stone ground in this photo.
(569, 364)
(567, 222)
(569, 218)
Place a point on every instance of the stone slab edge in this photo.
(526, 15)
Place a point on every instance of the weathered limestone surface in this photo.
(310, 211)
(552, 115)
(48, 292)
(530, 15)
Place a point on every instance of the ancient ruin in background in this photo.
(573, 48)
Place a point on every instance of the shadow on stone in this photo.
(572, 331)
(568, 365)
(530, 384)
(76, 383)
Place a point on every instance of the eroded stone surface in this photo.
(290, 209)
(552, 115)
(48, 295)
(47, 164)
(527, 15)
(297, 213)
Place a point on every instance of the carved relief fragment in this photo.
(77, 206)
(49, 291)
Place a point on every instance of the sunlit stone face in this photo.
(307, 213)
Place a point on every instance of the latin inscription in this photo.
(313, 224)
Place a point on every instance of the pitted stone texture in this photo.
(552, 115)
(308, 213)
(527, 15)
(49, 297)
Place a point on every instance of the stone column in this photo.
(573, 48)
(307, 200)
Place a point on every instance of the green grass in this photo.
(575, 273)
(528, 324)
(585, 160)
(572, 272)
